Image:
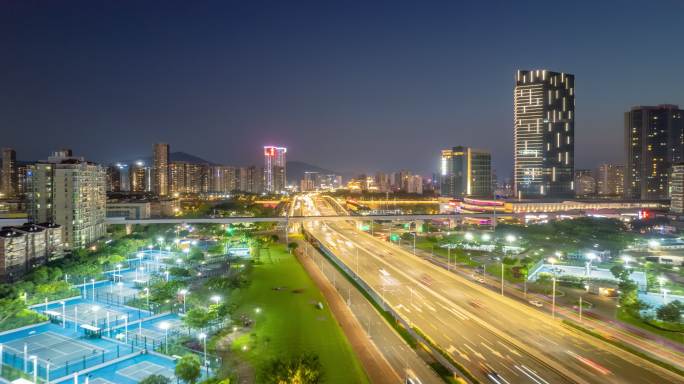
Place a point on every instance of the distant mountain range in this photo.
(295, 169)
(174, 156)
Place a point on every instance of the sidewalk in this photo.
(375, 365)
(375, 333)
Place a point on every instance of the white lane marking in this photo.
(511, 350)
(527, 374)
(417, 308)
(493, 351)
(534, 373)
(476, 353)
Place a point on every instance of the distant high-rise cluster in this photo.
(544, 134)
(275, 175)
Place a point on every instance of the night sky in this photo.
(346, 86)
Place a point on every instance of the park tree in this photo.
(155, 379)
(188, 368)
(197, 318)
(305, 369)
(292, 246)
(671, 312)
(9, 307)
(620, 272)
(215, 380)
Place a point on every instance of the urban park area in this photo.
(174, 304)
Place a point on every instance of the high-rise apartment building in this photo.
(189, 177)
(466, 172)
(544, 134)
(610, 179)
(415, 184)
(140, 177)
(9, 179)
(161, 169)
(251, 180)
(310, 182)
(585, 183)
(113, 175)
(223, 179)
(68, 191)
(25, 247)
(654, 140)
(677, 188)
(275, 174)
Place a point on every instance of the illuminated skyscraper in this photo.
(275, 175)
(544, 134)
(654, 140)
(161, 169)
(466, 172)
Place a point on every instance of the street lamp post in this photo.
(203, 337)
(95, 309)
(553, 292)
(502, 277)
(63, 314)
(165, 326)
(183, 293)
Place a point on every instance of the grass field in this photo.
(289, 323)
(675, 332)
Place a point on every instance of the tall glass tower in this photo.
(544, 134)
(275, 176)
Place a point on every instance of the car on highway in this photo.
(536, 303)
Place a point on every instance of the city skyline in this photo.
(361, 93)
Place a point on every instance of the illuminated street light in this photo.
(183, 292)
(553, 262)
(510, 238)
(468, 236)
(203, 337)
(216, 299)
(653, 244)
(486, 237)
(164, 325)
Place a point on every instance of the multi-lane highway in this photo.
(498, 339)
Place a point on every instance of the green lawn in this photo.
(676, 333)
(289, 323)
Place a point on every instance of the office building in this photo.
(585, 183)
(544, 134)
(161, 169)
(466, 172)
(68, 191)
(8, 179)
(610, 179)
(654, 140)
(275, 173)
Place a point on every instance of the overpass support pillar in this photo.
(129, 229)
